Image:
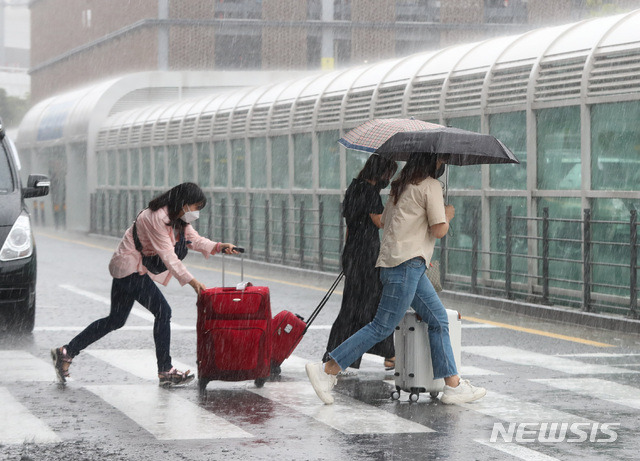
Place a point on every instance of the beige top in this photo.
(406, 224)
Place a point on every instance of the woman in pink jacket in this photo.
(151, 250)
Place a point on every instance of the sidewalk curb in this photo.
(560, 314)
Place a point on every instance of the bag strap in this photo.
(138, 243)
(323, 301)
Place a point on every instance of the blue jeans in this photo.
(124, 292)
(404, 286)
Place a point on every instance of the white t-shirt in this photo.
(406, 224)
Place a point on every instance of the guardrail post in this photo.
(284, 232)
(586, 262)
(443, 260)
(474, 254)
(508, 253)
(103, 215)
(236, 221)
(340, 234)
(211, 223)
(633, 267)
(320, 235)
(545, 256)
(251, 226)
(267, 235)
(223, 219)
(302, 233)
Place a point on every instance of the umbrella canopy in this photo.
(373, 133)
(461, 147)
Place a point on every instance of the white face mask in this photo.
(190, 216)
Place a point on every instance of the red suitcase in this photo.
(289, 328)
(234, 335)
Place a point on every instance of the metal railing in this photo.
(583, 263)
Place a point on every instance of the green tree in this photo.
(12, 108)
(603, 7)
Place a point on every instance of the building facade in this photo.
(75, 42)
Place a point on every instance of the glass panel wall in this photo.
(112, 167)
(123, 165)
(511, 129)
(465, 177)
(147, 175)
(611, 262)
(280, 162)
(307, 217)
(464, 228)
(103, 159)
(220, 175)
(565, 235)
(258, 162)
(173, 154)
(159, 162)
(135, 167)
(519, 245)
(258, 222)
(331, 217)
(302, 167)
(204, 164)
(186, 156)
(615, 146)
(355, 163)
(329, 159)
(558, 139)
(237, 166)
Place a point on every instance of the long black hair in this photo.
(376, 168)
(418, 168)
(176, 198)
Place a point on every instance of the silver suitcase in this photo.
(414, 370)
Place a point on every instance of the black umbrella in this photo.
(461, 147)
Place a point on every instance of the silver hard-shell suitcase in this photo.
(414, 370)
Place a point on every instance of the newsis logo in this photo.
(554, 432)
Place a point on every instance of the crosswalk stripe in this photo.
(510, 409)
(610, 391)
(550, 362)
(346, 415)
(353, 417)
(165, 414)
(138, 312)
(139, 362)
(518, 451)
(22, 366)
(18, 425)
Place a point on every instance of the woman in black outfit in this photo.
(362, 209)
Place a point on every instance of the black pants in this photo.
(124, 292)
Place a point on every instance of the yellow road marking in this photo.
(539, 332)
(247, 276)
(311, 287)
(75, 242)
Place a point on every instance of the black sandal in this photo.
(60, 357)
(390, 364)
(174, 377)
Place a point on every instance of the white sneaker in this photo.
(462, 393)
(322, 382)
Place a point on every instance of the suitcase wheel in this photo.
(395, 395)
(202, 385)
(413, 397)
(434, 394)
(260, 382)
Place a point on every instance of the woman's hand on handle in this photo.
(197, 286)
(229, 249)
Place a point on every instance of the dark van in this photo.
(17, 245)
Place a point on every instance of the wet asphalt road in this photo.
(538, 374)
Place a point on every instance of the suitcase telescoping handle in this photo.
(241, 251)
(324, 300)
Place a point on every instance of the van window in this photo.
(6, 178)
